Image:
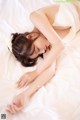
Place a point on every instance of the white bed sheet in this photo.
(57, 100)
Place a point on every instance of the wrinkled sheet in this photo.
(59, 99)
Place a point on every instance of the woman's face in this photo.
(40, 44)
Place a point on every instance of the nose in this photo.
(47, 47)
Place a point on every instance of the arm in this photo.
(40, 80)
(20, 101)
(41, 21)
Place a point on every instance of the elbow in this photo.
(36, 16)
(33, 15)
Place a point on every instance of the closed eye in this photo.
(35, 53)
(36, 50)
(32, 51)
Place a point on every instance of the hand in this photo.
(18, 103)
(27, 78)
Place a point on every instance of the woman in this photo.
(44, 38)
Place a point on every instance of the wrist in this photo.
(27, 93)
(37, 72)
(32, 89)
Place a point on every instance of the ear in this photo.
(32, 35)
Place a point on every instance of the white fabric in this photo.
(59, 99)
(67, 16)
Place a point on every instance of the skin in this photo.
(40, 45)
(42, 19)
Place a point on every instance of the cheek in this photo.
(42, 42)
(38, 43)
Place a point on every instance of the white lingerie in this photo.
(67, 16)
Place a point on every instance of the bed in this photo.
(59, 99)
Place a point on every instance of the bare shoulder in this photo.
(50, 11)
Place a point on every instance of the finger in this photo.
(9, 109)
(17, 109)
(18, 84)
(13, 108)
(19, 80)
(22, 84)
(27, 83)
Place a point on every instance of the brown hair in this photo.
(21, 48)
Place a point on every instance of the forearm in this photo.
(50, 58)
(40, 80)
